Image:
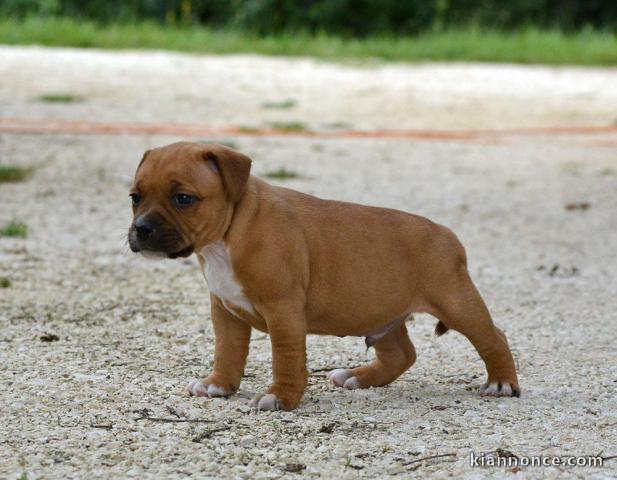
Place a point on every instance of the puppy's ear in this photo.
(233, 167)
(142, 159)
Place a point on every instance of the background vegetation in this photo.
(343, 17)
(526, 31)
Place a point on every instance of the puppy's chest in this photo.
(221, 279)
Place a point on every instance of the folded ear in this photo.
(143, 158)
(233, 167)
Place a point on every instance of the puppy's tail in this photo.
(440, 329)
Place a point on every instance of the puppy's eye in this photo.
(136, 198)
(182, 199)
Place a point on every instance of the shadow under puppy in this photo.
(291, 264)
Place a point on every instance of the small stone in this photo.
(417, 449)
(247, 441)
(294, 467)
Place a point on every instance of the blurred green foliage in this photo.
(356, 18)
(525, 45)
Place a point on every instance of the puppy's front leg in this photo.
(287, 329)
(232, 337)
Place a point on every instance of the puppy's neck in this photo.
(219, 274)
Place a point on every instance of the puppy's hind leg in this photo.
(459, 306)
(394, 355)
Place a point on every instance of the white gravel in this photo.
(220, 90)
(131, 331)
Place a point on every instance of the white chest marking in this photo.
(220, 276)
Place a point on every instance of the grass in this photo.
(13, 173)
(59, 98)
(282, 105)
(289, 126)
(5, 282)
(338, 125)
(530, 45)
(282, 174)
(247, 129)
(14, 229)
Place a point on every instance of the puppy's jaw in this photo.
(150, 253)
(185, 252)
(160, 255)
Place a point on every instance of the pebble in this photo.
(247, 441)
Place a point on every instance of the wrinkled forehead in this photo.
(162, 168)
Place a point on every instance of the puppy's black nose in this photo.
(143, 228)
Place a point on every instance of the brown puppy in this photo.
(291, 264)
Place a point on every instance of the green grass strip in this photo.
(530, 45)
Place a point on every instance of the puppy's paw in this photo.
(198, 388)
(500, 389)
(268, 402)
(342, 378)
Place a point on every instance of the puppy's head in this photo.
(183, 197)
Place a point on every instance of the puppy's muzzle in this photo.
(150, 237)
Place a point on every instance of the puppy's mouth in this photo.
(185, 252)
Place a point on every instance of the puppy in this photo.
(291, 264)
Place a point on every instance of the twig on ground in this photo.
(418, 460)
(208, 433)
(106, 426)
(173, 411)
(144, 414)
(175, 420)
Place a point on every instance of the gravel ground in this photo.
(537, 215)
(254, 91)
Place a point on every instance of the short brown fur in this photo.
(313, 266)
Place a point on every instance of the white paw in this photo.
(499, 389)
(342, 378)
(198, 389)
(266, 402)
